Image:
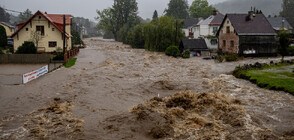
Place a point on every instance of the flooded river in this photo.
(93, 99)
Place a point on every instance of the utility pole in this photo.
(64, 34)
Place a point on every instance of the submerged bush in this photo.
(172, 51)
(231, 57)
(219, 58)
(186, 54)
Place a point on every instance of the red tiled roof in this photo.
(59, 18)
(55, 20)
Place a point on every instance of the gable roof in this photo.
(194, 44)
(190, 22)
(213, 20)
(53, 19)
(277, 23)
(259, 25)
(7, 24)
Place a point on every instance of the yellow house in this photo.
(45, 30)
(9, 28)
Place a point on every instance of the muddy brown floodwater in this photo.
(116, 92)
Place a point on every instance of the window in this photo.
(232, 43)
(40, 17)
(228, 22)
(27, 29)
(53, 29)
(213, 41)
(40, 29)
(214, 30)
(10, 29)
(52, 44)
(228, 29)
(224, 43)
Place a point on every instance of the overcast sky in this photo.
(85, 8)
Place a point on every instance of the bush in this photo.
(231, 57)
(27, 48)
(186, 54)
(1, 51)
(136, 38)
(3, 37)
(291, 50)
(172, 51)
(219, 58)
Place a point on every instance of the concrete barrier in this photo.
(25, 58)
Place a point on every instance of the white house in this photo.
(188, 27)
(208, 28)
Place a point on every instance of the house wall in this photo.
(49, 35)
(204, 30)
(9, 31)
(209, 45)
(228, 37)
(186, 31)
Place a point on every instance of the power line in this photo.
(12, 10)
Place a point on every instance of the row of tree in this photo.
(179, 9)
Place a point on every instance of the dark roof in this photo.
(218, 19)
(277, 23)
(194, 44)
(259, 25)
(190, 22)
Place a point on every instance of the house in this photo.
(280, 23)
(47, 27)
(208, 28)
(247, 34)
(9, 28)
(198, 46)
(188, 26)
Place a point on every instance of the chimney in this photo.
(269, 16)
(250, 15)
(45, 12)
(214, 12)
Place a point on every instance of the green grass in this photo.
(276, 77)
(70, 63)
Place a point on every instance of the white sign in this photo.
(34, 74)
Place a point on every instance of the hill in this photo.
(268, 7)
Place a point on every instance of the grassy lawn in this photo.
(276, 77)
(70, 63)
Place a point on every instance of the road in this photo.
(109, 78)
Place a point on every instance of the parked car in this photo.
(10, 42)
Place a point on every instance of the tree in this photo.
(3, 37)
(4, 16)
(200, 8)
(24, 16)
(178, 9)
(76, 39)
(288, 11)
(284, 43)
(36, 37)
(136, 37)
(155, 15)
(113, 19)
(162, 33)
(27, 48)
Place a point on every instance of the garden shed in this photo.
(197, 47)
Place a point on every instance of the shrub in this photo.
(135, 37)
(3, 37)
(27, 48)
(1, 51)
(186, 54)
(231, 57)
(219, 58)
(291, 50)
(172, 51)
